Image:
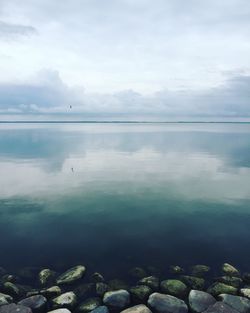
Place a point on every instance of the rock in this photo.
(220, 307)
(141, 308)
(72, 275)
(200, 270)
(84, 290)
(193, 282)
(89, 305)
(174, 287)
(66, 300)
(11, 289)
(51, 292)
(140, 293)
(229, 270)
(137, 272)
(245, 292)
(161, 303)
(97, 278)
(101, 288)
(14, 308)
(246, 278)
(5, 299)
(36, 303)
(175, 269)
(150, 281)
(230, 280)
(60, 311)
(117, 284)
(239, 304)
(199, 301)
(46, 276)
(118, 299)
(9, 278)
(33, 292)
(101, 309)
(219, 288)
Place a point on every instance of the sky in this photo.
(163, 57)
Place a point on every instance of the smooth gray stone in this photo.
(101, 309)
(36, 303)
(161, 303)
(238, 303)
(141, 308)
(220, 307)
(14, 308)
(199, 301)
(119, 299)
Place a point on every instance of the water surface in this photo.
(113, 196)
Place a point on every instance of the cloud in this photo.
(47, 93)
(12, 31)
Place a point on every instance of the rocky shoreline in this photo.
(33, 290)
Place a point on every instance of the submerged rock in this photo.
(89, 305)
(200, 270)
(220, 307)
(174, 287)
(97, 278)
(46, 276)
(60, 311)
(230, 270)
(137, 272)
(199, 301)
(101, 288)
(11, 289)
(35, 303)
(219, 288)
(118, 299)
(101, 309)
(51, 292)
(141, 308)
(246, 278)
(65, 300)
(150, 281)
(72, 275)
(175, 269)
(245, 292)
(84, 290)
(240, 304)
(193, 282)
(14, 308)
(230, 280)
(5, 299)
(140, 293)
(117, 284)
(162, 303)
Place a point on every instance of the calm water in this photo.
(113, 196)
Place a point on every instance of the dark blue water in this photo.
(113, 196)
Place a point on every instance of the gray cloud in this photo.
(49, 94)
(10, 31)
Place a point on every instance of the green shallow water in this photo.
(113, 196)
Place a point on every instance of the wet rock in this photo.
(174, 287)
(11, 289)
(245, 292)
(101, 309)
(230, 270)
(72, 275)
(150, 281)
(14, 308)
(220, 288)
(200, 270)
(36, 303)
(240, 304)
(175, 269)
(51, 292)
(141, 308)
(46, 276)
(32, 292)
(117, 284)
(230, 280)
(60, 311)
(97, 278)
(140, 293)
(220, 307)
(118, 299)
(246, 278)
(101, 288)
(193, 282)
(9, 278)
(89, 305)
(5, 299)
(84, 290)
(66, 300)
(161, 303)
(137, 272)
(199, 301)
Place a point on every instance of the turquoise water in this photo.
(113, 196)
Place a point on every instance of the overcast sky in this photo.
(124, 56)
